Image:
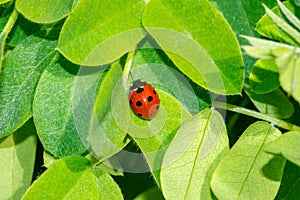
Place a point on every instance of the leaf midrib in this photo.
(252, 164)
(197, 154)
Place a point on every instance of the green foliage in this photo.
(287, 145)
(109, 30)
(195, 53)
(66, 72)
(250, 164)
(74, 178)
(17, 153)
(194, 153)
(45, 11)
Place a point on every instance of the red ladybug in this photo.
(143, 99)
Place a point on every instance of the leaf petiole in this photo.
(277, 122)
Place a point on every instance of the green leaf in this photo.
(84, 93)
(153, 137)
(289, 70)
(20, 74)
(44, 11)
(275, 103)
(267, 28)
(17, 153)
(53, 106)
(290, 184)
(73, 178)
(264, 77)
(6, 30)
(48, 159)
(112, 166)
(4, 1)
(152, 193)
(193, 155)
(287, 145)
(289, 15)
(152, 65)
(190, 40)
(21, 30)
(247, 171)
(297, 2)
(243, 18)
(108, 30)
(281, 23)
(287, 59)
(105, 137)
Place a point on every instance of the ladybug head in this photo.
(137, 83)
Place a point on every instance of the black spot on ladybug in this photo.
(138, 103)
(140, 115)
(130, 101)
(150, 98)
(140, 90)
(157, 107)
(154, 91)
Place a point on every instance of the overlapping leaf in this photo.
(274, 103)
(208, 55)
(264, 76)
(83, 182)
(267, 28)
(106, 137)
(108, 30)
(193, 156)
(243, 19)
(20, 73)
(45, 11)
(287, 145)
(247, 171)
(17, 153)
(53, 109)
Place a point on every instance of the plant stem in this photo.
(277, 122)
(127, 66)
(3, 35)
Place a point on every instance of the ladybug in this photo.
(143, 99)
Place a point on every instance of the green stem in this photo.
(127, 66)
(3, 35)
(258, 115)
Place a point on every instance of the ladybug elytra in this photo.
(143, 99)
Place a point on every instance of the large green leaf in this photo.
(186, 31)
(21, 71)
(152, 65)
(17, 153)
(288, 146)
(264, 76)
(99, 32)
(73, 178)
(247, 171)
(153, 137)
(105, 137)
(53, 109)
(193, 155)
(44, 11)
(85, 92)
(275, 103)
(243, 18)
